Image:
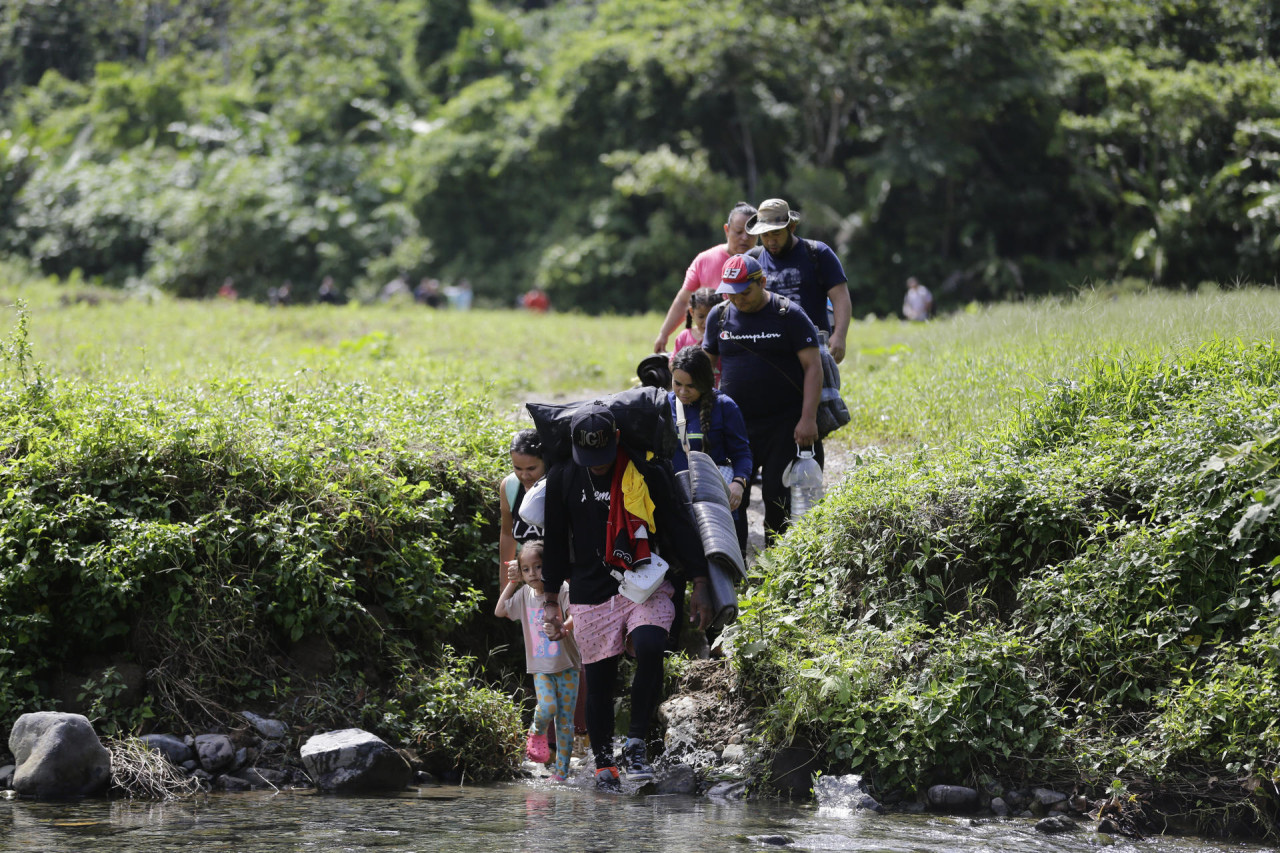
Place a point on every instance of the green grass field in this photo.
(907, 384)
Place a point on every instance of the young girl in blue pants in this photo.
(553, 664)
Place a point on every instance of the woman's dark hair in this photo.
(527, 442)
(703, 297)
(742, 207)
(694, 361)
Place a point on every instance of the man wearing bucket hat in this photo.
(767, 349)
(805, 271)
(579, 512)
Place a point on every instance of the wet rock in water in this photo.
(6, 777)
(262, 777)
(172, 747)
(728, 791)
(1016, 800)
(215, 753)
(266, 728)
(770, 840)
(953, 797)
(679, 779)
(999, 807)
(1055, 824)
(353, 760)
(1047, 797)
(58, 755)
(845, 792)
(227, 782)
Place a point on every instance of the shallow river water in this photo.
(529, 816)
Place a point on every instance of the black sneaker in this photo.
(607, 779)
(634, 761)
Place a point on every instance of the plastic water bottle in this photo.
(805, 482)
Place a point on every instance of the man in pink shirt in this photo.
(706, 268)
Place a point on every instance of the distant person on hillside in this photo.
(704, 271)
(917, 305)
(460, 295)
(428, 293)
(282, 295)
(536, 300)
(771, 367)
(554, 664)
(328, 294)
(805, 271)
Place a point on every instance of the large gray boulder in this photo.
(215, 753)
(58, 755)
(352, 761)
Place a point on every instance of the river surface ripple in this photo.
(531, 816)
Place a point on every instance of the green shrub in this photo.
(1074, 598)
(207, 531)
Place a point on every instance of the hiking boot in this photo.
(634, 761)
(607, 779)
(537, 749)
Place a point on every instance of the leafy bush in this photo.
(206, 532)
(460, 726)
(1075, 598)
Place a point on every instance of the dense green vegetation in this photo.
(1090, 596)
(994, 148)
(1054, 561)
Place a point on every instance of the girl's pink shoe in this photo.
(536, 748)
(556, 777)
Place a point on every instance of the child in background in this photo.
(553, 664)
(700, 304)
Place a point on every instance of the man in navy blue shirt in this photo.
(804, 271)
(767, 350)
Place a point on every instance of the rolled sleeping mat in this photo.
(724, 598)
(705, 480)
(682, 478)
(719, 536)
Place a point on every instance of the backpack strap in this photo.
(511, 485)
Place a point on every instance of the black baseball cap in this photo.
(595, 435)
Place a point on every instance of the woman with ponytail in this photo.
(713, 424)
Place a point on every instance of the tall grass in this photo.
(943, 382)
(939, 383)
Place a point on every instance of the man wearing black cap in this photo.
(804, 271)
(767, 350)
(580, 495)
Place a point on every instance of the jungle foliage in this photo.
(1090, 595)
(994, 148)
(316, 548)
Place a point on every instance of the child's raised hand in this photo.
(513, 571)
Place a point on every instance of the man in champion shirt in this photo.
(767, 351)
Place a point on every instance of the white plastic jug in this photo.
(805, 481)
